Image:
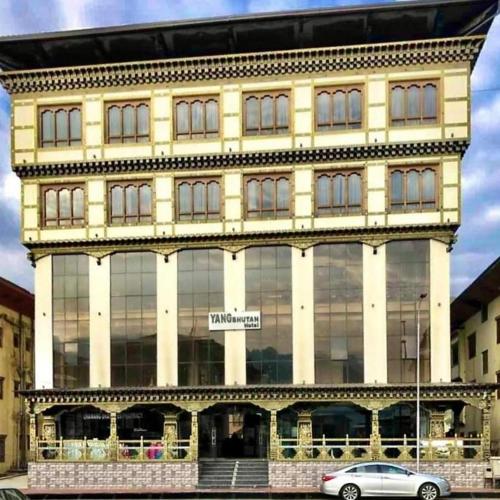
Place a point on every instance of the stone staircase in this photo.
(233, 473)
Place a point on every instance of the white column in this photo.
(374, 315)
(303, 315)
(100, 321)
(166, 310)
(439, 302)
(44, 368)
(234, 300)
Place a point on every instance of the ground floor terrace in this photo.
(124, 431)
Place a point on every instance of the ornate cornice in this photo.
(261, 394)
(234, 242)
(251, 65)
(250, 159)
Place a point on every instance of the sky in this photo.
(479, 236)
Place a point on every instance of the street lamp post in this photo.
(419, 304)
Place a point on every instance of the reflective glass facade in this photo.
(70, 307)
(133, 319)
(200, 290)
(338, 313)
(408, 276)
(268, 279)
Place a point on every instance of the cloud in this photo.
(487, 68)
(486, 119)
(493, 214)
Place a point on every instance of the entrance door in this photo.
(233, 431)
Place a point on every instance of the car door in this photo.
(396, 481)
(368, 478)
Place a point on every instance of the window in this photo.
(339, 108)
(1, 336)
(266, 113)
(484, 356)
(1, 387)
(17, 386)
(60, 126)
(196, 117)
(484, 313)
(70, 322)
(127, 122)
(413, 188)
(471, 345)
(28, 345)
(267, 196)
(338, 192)
(63, 205)
(414, 103)
(198, 199)
(391, 469)
(16, 340)
(2, 448)
(498, 382)
(133, 319)
(454, 354)
(130, 201)
(497, 321)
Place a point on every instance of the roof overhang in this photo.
(388, 22)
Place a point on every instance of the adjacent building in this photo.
(16, 372)
(475, 342)
(235, 224)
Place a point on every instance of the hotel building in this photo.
(232, 222)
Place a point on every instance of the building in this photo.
(231, 222)
(475, 342)
(16, 372)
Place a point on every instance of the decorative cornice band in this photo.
(229, 160)
(234, 242)
(231, 67)
(270, 393)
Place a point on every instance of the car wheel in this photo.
(350, 492)
(428, 491)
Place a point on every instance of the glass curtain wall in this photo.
(338, 313)
(408, 276)
(70, 304)
(268, 280)
(133, 319)
(200, 290)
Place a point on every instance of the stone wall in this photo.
(99, 476)
(308, 474)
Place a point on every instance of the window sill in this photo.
(421, 125)
(200, 221)
(61, 148)
(413, 211)
(130, 224)
(340, 131)
(126, 144)
(197, 139)
(75, 226)
(288, 135)
(340, 214)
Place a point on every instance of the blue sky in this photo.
(479, 236)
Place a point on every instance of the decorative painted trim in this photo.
(231, 67)
(244, 159)
(234, 242)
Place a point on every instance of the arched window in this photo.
(339, 192)
(198, 199)
(339, 108)
(266, 113)
(130, 202)
(127, 121)
(63, 205)
(196, 117)
(60, 126)
(414, 103)
(267, 196)
(413, 188)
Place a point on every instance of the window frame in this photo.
(276, 176)
(470, 354)
(497, 325)
(405, 170)
(44, 188)
(204, 99)
(455, 348)
(124, 184)
(1, 336)
(2, 380)
(406, 84)
(58, 143)
(331, 89)
(191, 181)
(485, 362)
(3, 444)
(346, 210)
(121, 104)
(274, 130)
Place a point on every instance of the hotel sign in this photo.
(243, 320)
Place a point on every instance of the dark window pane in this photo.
(338, 191)
(184, 198)
(128, 120)
(397, 187)
(213, 197)
(339, 112)
(266, 110)
(412, 187)
(413, 102)
(62, 132)
(131, 200)
(145, 199)
(355, 106)
(78, 208)
(323, 191)
(197, 117)
(116, 201)
(64, 204)
(267, 194)
(430, 101)
(354, 190)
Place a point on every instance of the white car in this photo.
(373, 479)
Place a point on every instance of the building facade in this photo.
(475, 342)
(16, 372)
(231, 226)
